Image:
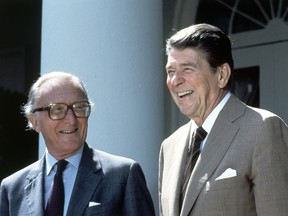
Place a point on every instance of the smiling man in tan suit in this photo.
(242, 169)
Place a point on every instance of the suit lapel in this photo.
(177, 170)
(217, 144)
(34, 190)
(176, 165)
(88, 178)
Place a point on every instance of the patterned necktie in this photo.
(198, 136)
(55, 203)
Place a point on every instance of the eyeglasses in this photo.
(58, 111)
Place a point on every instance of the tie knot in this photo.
(200, 134)
(61, 165)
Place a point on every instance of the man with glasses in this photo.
(87, 181)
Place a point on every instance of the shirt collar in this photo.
(209, 122)
(74, 160)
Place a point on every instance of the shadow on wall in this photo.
(17, 146)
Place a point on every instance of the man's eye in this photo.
(170, 72)
(189, 69)
(57, 109)
(79, 107)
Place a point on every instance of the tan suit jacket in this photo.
(250, 143)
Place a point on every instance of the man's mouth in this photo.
(183, 94)
(68, 131)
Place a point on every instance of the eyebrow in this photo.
(184, 65)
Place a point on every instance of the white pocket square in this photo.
(94, 204)
(228, 173)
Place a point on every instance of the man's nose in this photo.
(177, 78)
(70, 116)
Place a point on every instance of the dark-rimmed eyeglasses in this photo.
(58, 111)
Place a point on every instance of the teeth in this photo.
(182, 94)
(68, 132)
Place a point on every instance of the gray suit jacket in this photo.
(117, 183)
(242, 170)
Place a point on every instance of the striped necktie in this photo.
(198, 136)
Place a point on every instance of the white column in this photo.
(116, 48)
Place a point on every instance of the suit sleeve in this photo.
(137, 199)
(4, 204)
(270, 168)
(160, 175)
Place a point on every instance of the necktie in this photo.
(198, 136)
(55, 203)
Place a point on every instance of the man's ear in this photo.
(33, 120)
(224, 73)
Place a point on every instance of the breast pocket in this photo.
(230, 190)
(95, 210)
(102, 210)
(235, 182)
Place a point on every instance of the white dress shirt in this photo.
(209, 122)
(69, 175)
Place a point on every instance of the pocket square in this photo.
(94, 204)
(228, 173)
